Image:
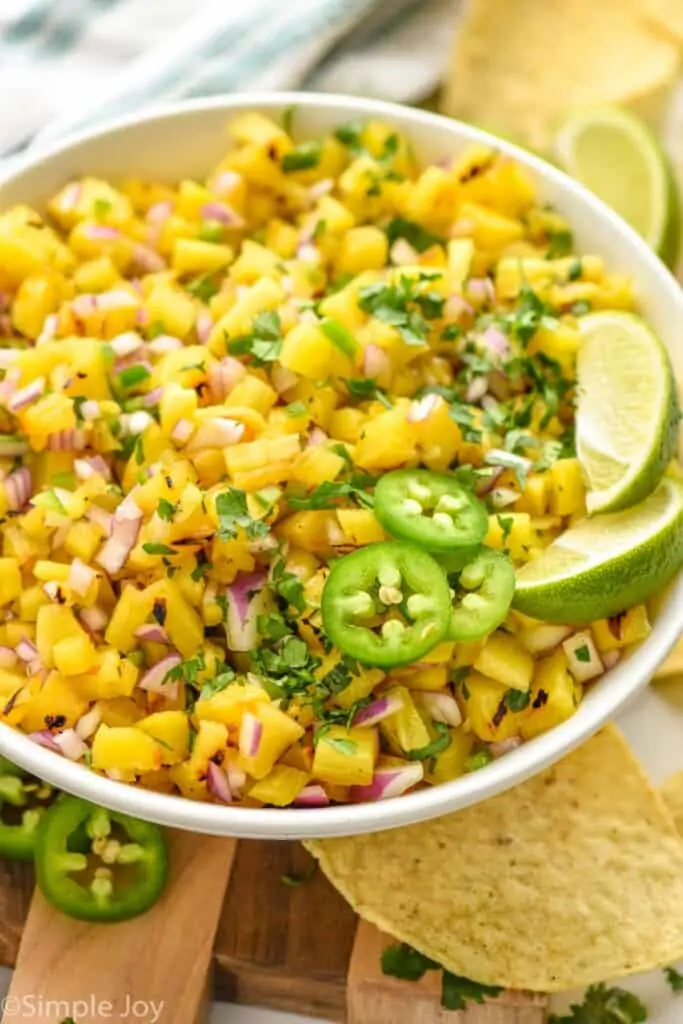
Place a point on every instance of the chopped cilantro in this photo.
(575, 270)
(327, 494)
(457, 992)
(166, 510)
(439, 743)
(346, 747)
(464, 417)
(132, 376)
(233, 514)
(187, 671)
(517, 700)
(395, 304)
(211, 231)
(479, 760)
(202, 566)
(296, 878)
(66, 480)
(265, 341)
(296, 409)
(389, 148)
(362, 387)
(402, 961)
(580, 308)
(506, 523)
(202, 287)
(527, 316)
(582, 653)
(602, 1005)
(288, 586)
(155, 329)
(509, 460)
(219, 682)
(287, 117)
(560, 243)
(674, 978)
(272, 626)
(340, 336)
(420, 238)
(303, 156)
(139, 449)
(101, 208)
(351, 136)
(158, 549)
(451, 332)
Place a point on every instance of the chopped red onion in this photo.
(104, 519)
(246, 599)
(135, 423)
(101, 232)
(70, 196)
(94, 465)
(610, 658)
(251, 734)
(152, 633)
(7, 357)
(216, 432)
(321, 188)
(226, 181)
(455, 307)
(147, 259)
(182, 431)
(224, 376)
(381, 708)
(376, 363)
(153, 397)
(503, 747)
(88, 723)
(95, 618)
(80, 577)
(125, 528)
(45, 739)
(217, 783)
(203, 325)
(308, 253)
(441, 707)
(223, 213)
(24, 396)
(502, 497)
(126, 343)
(582, 654)
(116, 299)
(66, 441)
(8, 657)
(388, 782)
(495, 342)
(485, 484)
(282, 378)
(402, 253)
(164, 343)
(142, 317)
(311, 796)
(236, 779)
(154, 680)
(49, 330)
(481, 288)
(158, 213)
(70, 744)
(18, 488)
(316, 437)
(476, 389)
(422, 409)
(90, 410)
(26, 650)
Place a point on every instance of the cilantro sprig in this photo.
(233, 515)
(264, 343)
(402, 961)
(603, 1005)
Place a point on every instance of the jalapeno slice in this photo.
(386, 604)
(132, 869)
(484, 590)
(430, 509)
(23, 801)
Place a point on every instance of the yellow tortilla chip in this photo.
(518, 67)
(573, 877)
(671, 792)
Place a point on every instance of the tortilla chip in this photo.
(517, 68)
(673, 666)
(671, 793)
(573, 877)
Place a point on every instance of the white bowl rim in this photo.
(617, 687)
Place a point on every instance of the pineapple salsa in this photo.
(272, 446)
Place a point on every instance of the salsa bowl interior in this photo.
(186, 140)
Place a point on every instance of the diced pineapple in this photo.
(211, 739)
(346, 757)
(54, 623)
(405, 730)
(280, 787)
(229, 705)
(555, 695)
(10, 580)
(628, 628)
(450, 763)
(74, 655)
(387, 441)
(504, 659)
(360, 526)
(487, 711)
(362, 248)
(279, 731)
(308, 351)
(315, 465)
(512, 532)
(54, 705)
(254, 393)
(567, 489)
(83, 540)
(171, 731)
(362, 684)
(125, 749)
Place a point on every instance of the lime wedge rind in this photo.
(603, 565)
(627, 410)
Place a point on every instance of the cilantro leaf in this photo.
(132, 376)
(420, 238)
(402, 961)
(517, 700)
(296, 409)
(439, 743)
(327, 494)
(674, 978)
(528, 315)
(395, 304)
(604, 1005)
(202, 287)
(303, 156)
(233, 514)
(218, 683)
(101, 208)
(158, 549)
(211, 231)
(166, 510)
(264, 344)
(479, 760)
(457, 992)
(346, 747)
(288, 586)
(351, 136)
(560, 243)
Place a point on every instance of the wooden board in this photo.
(292, 947)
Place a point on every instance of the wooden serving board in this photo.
(227, 927)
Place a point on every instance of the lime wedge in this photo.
(614, 154)
(627, 410)
(603, 565)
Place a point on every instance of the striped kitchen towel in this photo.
(65, 64)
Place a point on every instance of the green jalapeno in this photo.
(430, 509)
(484, 590)
(132, 855)
(22, 803)
(386, 604)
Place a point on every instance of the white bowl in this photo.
(185, 141)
